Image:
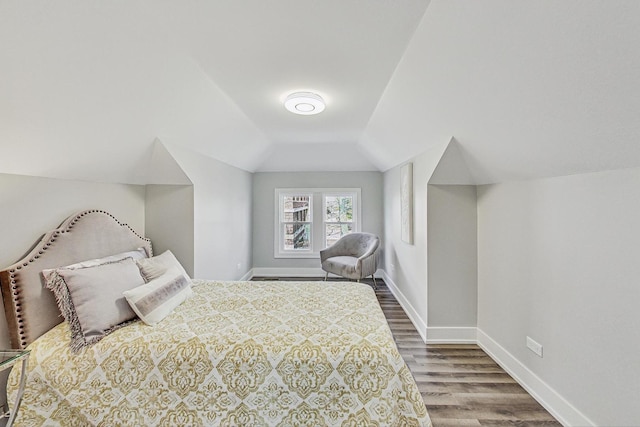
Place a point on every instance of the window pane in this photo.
(297, 237)
(333, 209)
(339, 209)
(346, 209)
(296, 208)
(336, 231)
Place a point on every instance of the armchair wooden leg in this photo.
(375, 285)
(326, 275)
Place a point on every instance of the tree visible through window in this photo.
(303, 213)
(338, 219)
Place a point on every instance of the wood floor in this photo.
(460, 384)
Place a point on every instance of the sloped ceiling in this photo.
(527, 89)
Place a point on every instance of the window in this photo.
(302, 214)
(296, 221)
(338, 217)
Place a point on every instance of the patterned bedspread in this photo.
(236, 354)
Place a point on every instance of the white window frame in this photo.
(317, 215)
(280, 251)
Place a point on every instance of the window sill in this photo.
(293, 255)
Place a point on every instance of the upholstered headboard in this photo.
(30, 308)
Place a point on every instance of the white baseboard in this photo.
(452, 335)
(295, 272)
(247, 276)
(419, 323)
(287, 272)
(553, 402)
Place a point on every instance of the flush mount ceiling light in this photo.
(305, 103)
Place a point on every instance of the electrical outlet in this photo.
(534, 346)
(239, 266)
(392, 267)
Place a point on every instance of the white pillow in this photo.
(155, 300)
(152, 268)
(137, 254)
(91, 300)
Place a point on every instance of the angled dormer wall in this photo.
(452, 233)
(435, 277)
(169, 207)
(203, 212)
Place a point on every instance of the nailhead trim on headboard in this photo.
(17, 305)
(14, 300)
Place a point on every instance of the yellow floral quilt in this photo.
(235, 354)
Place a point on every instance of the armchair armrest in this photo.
(372, 250)
(337, 249)
(368, 263)
(329, 252)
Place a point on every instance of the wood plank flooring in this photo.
(461, 385)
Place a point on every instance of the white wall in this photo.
(169, 221)
(264, 185)
(530, 89)
(406, 264)
(32, 206)
(558, 260)
(221, 216)
(97, 114)
(452, 247)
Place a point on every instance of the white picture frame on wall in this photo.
(406, 203)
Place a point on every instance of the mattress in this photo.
(235, 354)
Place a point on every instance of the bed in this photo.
(233, 354)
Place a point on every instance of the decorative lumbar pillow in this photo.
(139, 253)
(91, 299)
(157, 299)
(152, 268)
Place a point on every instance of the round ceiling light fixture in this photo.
(305, 103)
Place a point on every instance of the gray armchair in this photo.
(353, 257)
